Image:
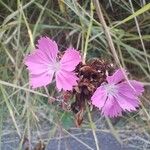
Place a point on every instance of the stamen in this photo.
(54, 67)
(111, 89)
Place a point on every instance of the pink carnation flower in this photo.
(117, 95)
(43, 64)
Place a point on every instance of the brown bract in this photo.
(91, 76)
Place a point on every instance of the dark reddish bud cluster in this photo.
(91, 75)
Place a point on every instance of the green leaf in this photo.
(67, 120)
(137, 13)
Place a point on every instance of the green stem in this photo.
(92, 127)
(88, 32)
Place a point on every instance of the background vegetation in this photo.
(70, 22)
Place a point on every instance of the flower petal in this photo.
(36, 62)
(138, 87)
(49, 47)
(99, 97)
(70, 59)
(135, 89)
(127, 103)
(40, 80)
(117, 77)
(111, 108)
(65, 80)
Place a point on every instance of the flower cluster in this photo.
(111, 92)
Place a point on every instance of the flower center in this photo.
(111, 89)
(54, 67)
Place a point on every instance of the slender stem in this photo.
(106, 31)
(92, 127)
(108, 37)
(140, 35)
(28, 27)
(88, 32)
(113, 130)
(22, 88)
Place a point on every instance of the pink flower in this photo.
(117, 95)
(43, 64)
